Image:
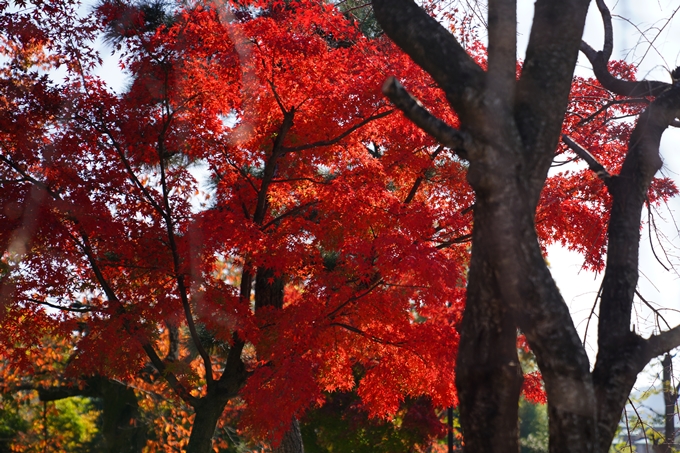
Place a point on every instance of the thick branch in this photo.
(593, 163)
(545, 82)
(502, 51)
(413, 110)
(270, 166)
(661, 343)
(433, 48)
(600, 62)
(618, 86)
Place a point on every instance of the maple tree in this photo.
(333, 234)
(113, 241)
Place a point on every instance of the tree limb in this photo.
(600, 62)
(593, 163)
(434, 49)
(335, 140)
(414, 110)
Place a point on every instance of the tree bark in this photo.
(208, 412)
(122, 429)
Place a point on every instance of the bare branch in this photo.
(414, 110)
(593, 163)
(606, 106)
(608, 45)
(335, 140)
(663, 342)
(600, 61)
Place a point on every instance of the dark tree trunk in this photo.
(122, 429)
(208, 413)
(292, 440)
(488, 367)
(670, 397)
(269, 293)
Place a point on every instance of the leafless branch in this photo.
(600, 61)
(593, 163)
(414, 110)
(335, 140)
(610, 104)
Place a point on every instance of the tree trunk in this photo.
(269, 293)
(292, 440)
(669, 398)
(487, 367)
(208, 413)
(122, 429)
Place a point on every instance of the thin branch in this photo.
(421, 178)
(414, 110)
(591, 117)
(457, 240)
(366, 334)
(179, 276)
(170, 377)
(592, 313)
(355, 298)
(656, 312)
(73, 308)
(289, 213)
(593, 163)
(652, 225)
(335, 140)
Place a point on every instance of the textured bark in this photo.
(670, 397)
